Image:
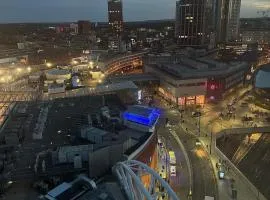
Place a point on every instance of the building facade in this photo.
(228, 20)
(194, 23)
(84, 27)
(259, 36)
(115, 16)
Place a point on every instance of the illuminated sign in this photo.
(144, 120)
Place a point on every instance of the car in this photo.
(221, 172)
(198, 142)
(173, 170)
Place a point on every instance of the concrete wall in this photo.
(265, 129)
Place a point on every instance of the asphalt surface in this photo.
(204, 181)
(180, 183)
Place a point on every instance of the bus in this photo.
(172, 158)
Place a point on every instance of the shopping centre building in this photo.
(186, 81)
(262, 81)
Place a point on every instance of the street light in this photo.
(29, 69)
(74, 62)
(198, 114)
(48, 64)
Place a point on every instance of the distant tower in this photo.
(115, 16)
(194, 22)
(84, 27)
(228, 19)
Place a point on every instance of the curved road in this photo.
(204, 181)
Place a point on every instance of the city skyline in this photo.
(13, 11)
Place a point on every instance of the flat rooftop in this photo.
(67, 116)
(141, 115)
(133, 77)
(199, 68)
(140, 110)
(106, 191)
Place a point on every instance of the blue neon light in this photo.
(147, 121)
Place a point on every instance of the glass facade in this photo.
(115, 15)
(183, 101)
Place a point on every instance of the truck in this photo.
(172, 158)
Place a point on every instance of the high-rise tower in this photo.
(194, 23)
(228, 14)
(115, 16)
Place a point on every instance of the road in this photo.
(180, 183)
(204, 182)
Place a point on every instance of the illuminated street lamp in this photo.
(48, 64)
(74, 62)
(29, 69)
(100, 81)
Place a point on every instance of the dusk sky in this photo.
(96, 10)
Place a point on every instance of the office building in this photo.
(115, 16)
(84, 27)
(194, 24)
(228, 20)
(255, 30)
(74, 28)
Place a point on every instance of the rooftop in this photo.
(58, 72)
(142, 115)
(96, 131)
(105, 191)
(199, 68)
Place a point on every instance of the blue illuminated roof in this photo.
(142, 115)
